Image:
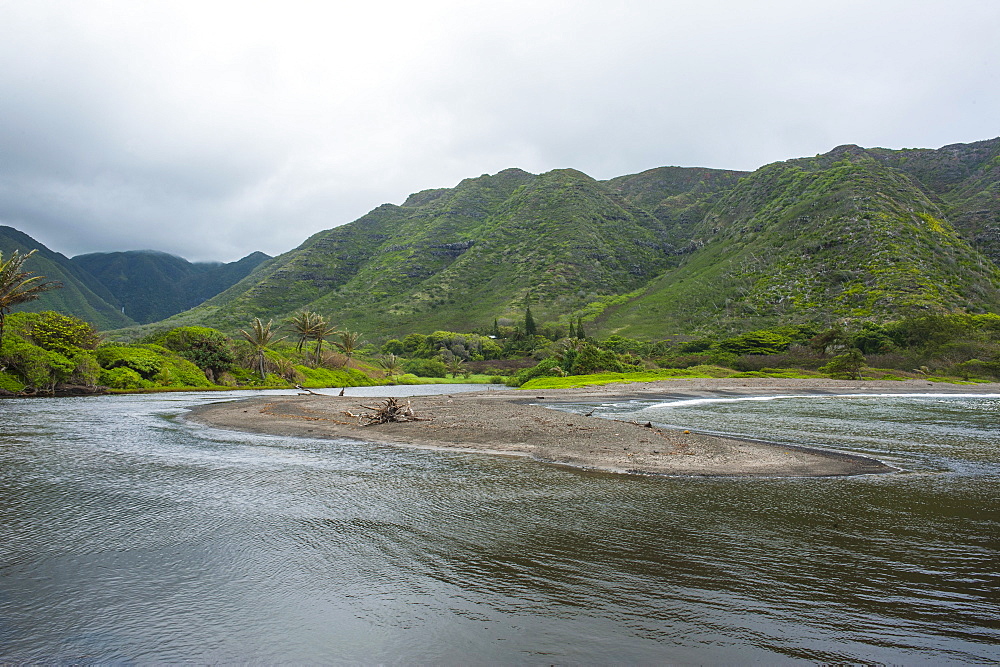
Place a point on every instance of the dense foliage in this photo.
(46, 351)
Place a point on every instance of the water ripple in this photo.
(132, 536)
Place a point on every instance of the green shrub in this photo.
(592, 359)
(872, 339)
(623, 345)
(85, 368)
(393, 346)
(56, 332)
(695, 346)
(976, 369)
(142, 360)
(123, 377)
(272, 380)
(756, 342)
(10, 383)
(33, 365)
(325, 377)
(846, 366)
(543, 368)
(428, 368)
(209, 349)
(179, 372)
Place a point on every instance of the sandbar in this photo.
(516, 423)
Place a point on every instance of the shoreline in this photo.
(515, 423)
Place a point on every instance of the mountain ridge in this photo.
(675, 248)
(121, 289)
(854, 233)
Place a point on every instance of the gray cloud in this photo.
(214, 129)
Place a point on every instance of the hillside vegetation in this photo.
(854, 234)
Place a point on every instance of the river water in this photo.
(130, 535)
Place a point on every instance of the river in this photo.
(131, 535)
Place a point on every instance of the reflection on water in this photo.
(130, 535)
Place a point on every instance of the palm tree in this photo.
(18, 286)
(304, 324)
(321, 332)
(260, 337)
(391, 364)
(349, 341)
(455, 365)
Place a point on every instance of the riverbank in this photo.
(516, 423)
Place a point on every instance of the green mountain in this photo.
(849, 234)
(855, 233)
(965, 180)
(81, 293)
(152, 286)
(460, 257)
(121, 289)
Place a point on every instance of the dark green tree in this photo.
(579, 329)
(208, 349)
(529, 323)
(846, 366)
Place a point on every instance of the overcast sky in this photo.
(213, 129)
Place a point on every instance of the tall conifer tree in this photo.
(529, 323)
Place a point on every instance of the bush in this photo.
(846, 366)
(623, 345)
(695, 346)
(428, 368)
(35, 366)
(756, 342)
(179, 372)
(10, 383)
(209, 349)
(57, 332)
(123, 377)
(393, 346)
(543, 368)
(325, 377)
(974, 368)
(145, 362)
(592, 359)
(85, 368)
(872, 339)
(797, 356)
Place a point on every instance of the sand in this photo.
(515, 423)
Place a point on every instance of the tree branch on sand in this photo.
(389, 410)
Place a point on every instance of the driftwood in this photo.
(389, 410)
